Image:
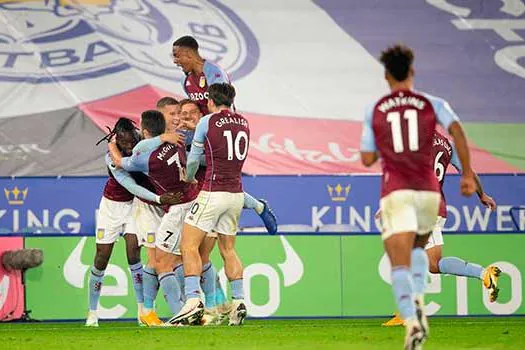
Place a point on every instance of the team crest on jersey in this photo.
(100, 233)
(69, 40)
(202, 82)
(151, 237)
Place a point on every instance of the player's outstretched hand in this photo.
(176, 138)
(186, 125)
(468, 185)
(488, 201)
(171, 198)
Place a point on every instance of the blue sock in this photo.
(171, 289)
(456, 266)
(403, 288)
(209, 275)
(237, 289)
(95, 285)
(220, 296)
(252, 203)
(137, 278)
(151, 287)
(179, 275)
(419, 269)
(191, 286)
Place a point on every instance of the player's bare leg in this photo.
(136, 270)
(193, 309)
(234, 272)
(102, 255)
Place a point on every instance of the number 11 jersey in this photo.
(400, 127)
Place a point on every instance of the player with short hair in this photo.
(223, 137)
(170, 109)
(444, 153)
(400, 128)
(164, 165)
(216, 307)
(115, 218)
(200, 74)
(149, 217)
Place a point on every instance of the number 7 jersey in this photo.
(400, 127)
(225, 137)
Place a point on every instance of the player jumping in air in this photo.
(223, 137)
(200, 74)
(400, 128)
(444, 153)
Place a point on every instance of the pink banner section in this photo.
(11, 288)
(281, 145)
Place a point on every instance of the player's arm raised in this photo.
(450, 121)
(114, 153)
(127, 181)
(484, 198)
(147, 145)
(197, 149)
(368, 145)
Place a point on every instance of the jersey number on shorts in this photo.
(439, 168)
(394, 118)
(235, 146)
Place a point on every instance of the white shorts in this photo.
(216, 211)
(436, 238)
(147, 218)
(409, 211)
(170, 229)
(114, 219)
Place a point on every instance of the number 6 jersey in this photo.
(400, 127)
(225, 138)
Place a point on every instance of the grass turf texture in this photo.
(446, 333)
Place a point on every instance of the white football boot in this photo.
(92, 319)
(238, 312)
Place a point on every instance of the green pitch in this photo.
(465, 333)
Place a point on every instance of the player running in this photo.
(115, 218)
(165, 166)
(444, 153)
(200, 74)
(400, 127)
(223, 137)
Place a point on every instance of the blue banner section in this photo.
(301, 203)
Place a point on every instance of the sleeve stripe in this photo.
(198, 144)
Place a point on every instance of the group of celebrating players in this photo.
(176, 189)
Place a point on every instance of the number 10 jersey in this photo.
(225, 137)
